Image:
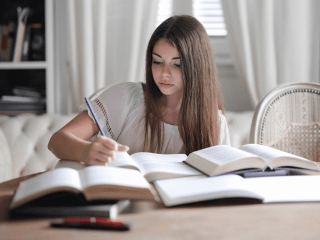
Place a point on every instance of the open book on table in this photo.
(91, 184)
(222, 159)
(152, 166)
(302, 188)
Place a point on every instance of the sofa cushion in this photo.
(27, 138)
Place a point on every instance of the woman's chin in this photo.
(167, 92)
(168, 89)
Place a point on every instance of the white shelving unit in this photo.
(23, 65)
(49, 23)
(48, 64)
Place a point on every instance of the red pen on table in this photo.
(90, 223)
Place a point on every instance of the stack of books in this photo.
(24, 99)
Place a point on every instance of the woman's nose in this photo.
(166, 71)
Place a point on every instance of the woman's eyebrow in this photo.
(157, 55)
(161, 57)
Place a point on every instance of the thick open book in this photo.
(222, 159)
(95, 183)
(152, 166)
(265, 189)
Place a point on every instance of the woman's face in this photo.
(166, 69)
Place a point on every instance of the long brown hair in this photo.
(198, 117)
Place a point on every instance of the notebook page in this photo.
(199, 188)
(286, 188)
(222, 154)
(42, 184)
(267, 153)
(106, 175)
(166, 163)
(124, 160)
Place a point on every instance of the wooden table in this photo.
(223, 219)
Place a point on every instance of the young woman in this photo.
(177, 110)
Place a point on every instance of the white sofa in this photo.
(24, 139)
(239, 124)
(23, 143)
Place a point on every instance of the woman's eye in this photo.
(177, 65)
(155, 62)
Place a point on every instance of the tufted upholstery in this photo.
(23, 143)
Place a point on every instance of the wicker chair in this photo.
(288, 118)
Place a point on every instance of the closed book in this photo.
(1, 29)
(22, 106)
(106, 209)
(21, 31)
(5, 43)
(26, 92)
(26, 45)
(12, 39)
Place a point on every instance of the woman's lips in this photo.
(166, 84)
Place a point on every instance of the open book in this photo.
(95, 183)
(222, 159)
(265, 189)
(152, 166)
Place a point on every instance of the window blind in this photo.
(208, 12)
(164, 11)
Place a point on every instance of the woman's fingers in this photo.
(97, 162)
(98, 158)
(123, 148)
(103, 151)
(98, 148)
(102, 159)
(108, 143)
(113, 145)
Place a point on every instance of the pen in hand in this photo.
(119, 147)
(94, 116)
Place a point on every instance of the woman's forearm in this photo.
(65, 145)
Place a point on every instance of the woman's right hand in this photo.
(102, 151)
(72, 142)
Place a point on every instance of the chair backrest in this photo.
(288, 118)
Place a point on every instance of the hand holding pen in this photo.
(103, 150)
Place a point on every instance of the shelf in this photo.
(23, 65)
(34, 74)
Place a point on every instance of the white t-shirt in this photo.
(120, 110)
